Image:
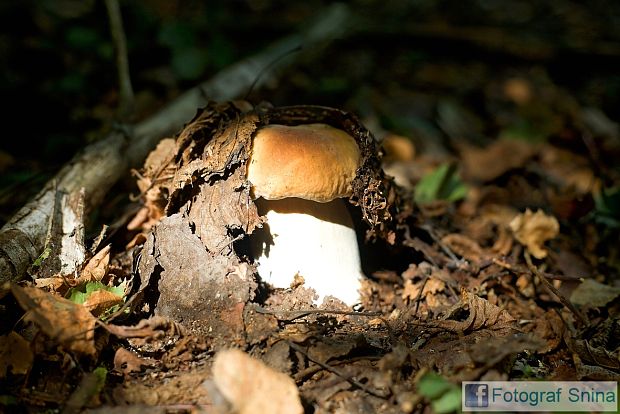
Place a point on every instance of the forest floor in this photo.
(501, 260)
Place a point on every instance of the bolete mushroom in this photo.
(300, 176)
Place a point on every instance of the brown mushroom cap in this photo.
(313, 161)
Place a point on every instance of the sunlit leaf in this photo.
(80, 296)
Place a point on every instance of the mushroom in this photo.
(300, 176)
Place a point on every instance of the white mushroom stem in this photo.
(316, 241)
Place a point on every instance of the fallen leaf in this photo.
(411, 290)
(97, 267)
(15, 355)
(67, 323)
(486, 164)
(503, 243)
(101, 300)
(482, 315)
(328, 348)
(250, 386)
(52, 284)
(533, 229)
(594, 294)
(148, 330)
(128, 362)
(153, 183)
(463, 246)
(568, 169)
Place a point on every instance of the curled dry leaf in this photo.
(97, 267)
(482, 315)
(154, 184)
(148, 329)
(67, 323)
(252, 387)
(533, 230)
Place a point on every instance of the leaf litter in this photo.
(493, 265)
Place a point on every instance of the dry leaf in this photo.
(153, 184)
(411, 290)
(486, 164)
(463, 246)
(503, 243)
(533, 230)
(482, 315)
(52, 284)
(97, 267)
(15, 355)
(101, 300)
(329, 348)
(593, 293)
(69, 324)
(127, 362)
(250, 386)
(568, 169)
(148, 330)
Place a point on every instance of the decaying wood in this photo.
(101, 164)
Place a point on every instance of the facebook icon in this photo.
(476, 395)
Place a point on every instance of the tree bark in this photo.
(95, 169)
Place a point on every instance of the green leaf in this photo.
(433, 385)
(441, 184)
(607, 204)
(449, 402)
(80, 295)
(101, 373)
(39, 260)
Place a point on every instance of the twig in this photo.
(313, 369)
(122, 62)
(333, 370)
(442, 245)
(296, 314)
(553, 290)
(418, 298)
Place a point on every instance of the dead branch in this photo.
(122, 62)
(100, 165)
(554, 290)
